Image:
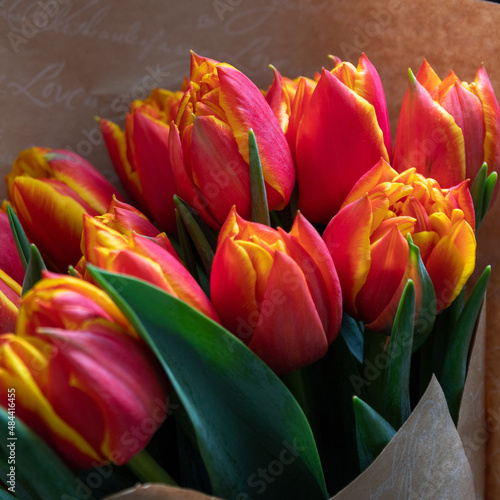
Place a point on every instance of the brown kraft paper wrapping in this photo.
(62, 65)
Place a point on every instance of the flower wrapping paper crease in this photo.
(374, 252)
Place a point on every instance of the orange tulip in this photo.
(142, 258)
(343, 132)
(367, 240)
(448, 128)
(277, 292)
(50, 190)
(83, 379)
(10, 297)
(209, 150)
(140, 154)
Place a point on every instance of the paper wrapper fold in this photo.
(428, 458)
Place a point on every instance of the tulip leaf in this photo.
(482, 192)
(260, 209)
(252, 434)
(455, 360)
(186, 251)
(20, 238)
(352, 332)
(203, 239)
(396, 382)
(34, 270)
(373, 432)
(490, 184)
(39, 472)
(426, 310)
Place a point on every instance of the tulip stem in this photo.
(147, 469)
(298, 386)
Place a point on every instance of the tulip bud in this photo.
(343, 132)
(278, 292)
(50, 190)
(209, 150)
(448, 128)
(84, 380)
(140, 154)
(142, 258)
(368, 241)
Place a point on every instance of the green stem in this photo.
(147, 469)
(298, 386)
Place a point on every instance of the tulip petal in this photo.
(311, 254)
(10, 292)
(367, 84)
(279, 100)
(80, 176)
(219, 170)
(246, 108)
(181, 168)
(234, 299)
(428, 138)
(466, 109)
(42, 205)
(389, 256)
(114, 138)
(347, 238)
(428, 77)
(491, 111)
(9, 257)
(328, 153)
(289, 334)
(150, 138)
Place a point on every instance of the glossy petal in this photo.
(389, 257)
(289, 334)
(234, 299)
(114, 138)
(41, 205)
(246, 108)
(347, 238)
(9, 257)
(428, 138)
(150, 138)
(221, 173)
(328, 154)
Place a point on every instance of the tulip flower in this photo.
(50, 190)
(83, 379)
(278, 292)
(140, 154)
(10, 262)
(448, 128)
(142, 258)
(368, 241)
(127, 220)
(208, 144)
(343, 132)
(10, 293)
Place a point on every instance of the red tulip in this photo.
(277, 292)
(448, 128)
(343, 132)
(367, 241)
(50, 191)
(209, 143)
(82, 377)
(140, 154)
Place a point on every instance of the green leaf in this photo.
(482, 192)
(396, 377)
(203, 238)
(260, 210)
(20, 238)
(455, 359)
(39, 472)
(373, 432)
(426, 310)
(491, 182)
(353, 334)
(186, 251)
(34, 270)
(252, 434)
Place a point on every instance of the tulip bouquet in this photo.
(213, 326)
